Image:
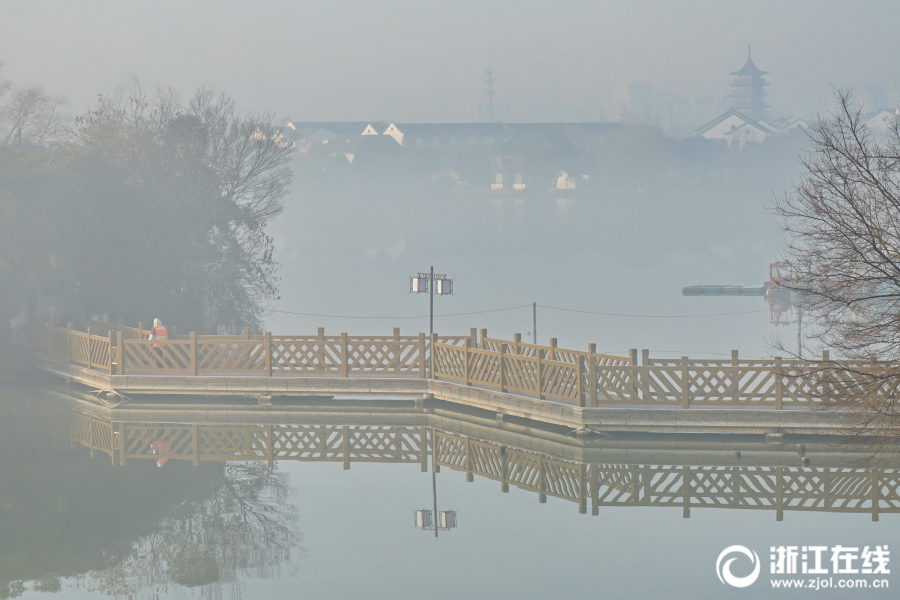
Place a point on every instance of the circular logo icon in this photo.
(723, 566)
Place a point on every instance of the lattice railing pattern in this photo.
(769, 488)
(547, 372)
(275, 442)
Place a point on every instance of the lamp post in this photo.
(431, 283)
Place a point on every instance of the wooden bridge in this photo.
(530, 460)
(509, 377)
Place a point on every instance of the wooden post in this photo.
(592, 376)
(517, 339)
(422, 362)
(552, 349)
(433, 355)
(435, 449)
(582, 489)
(120, 353)
(320, 351)
(267, 348)
(473, 335)
(112, 351)
(875, 495)
(685, 384)
(686, 477)
(246, 333)
(504, 469)
(778, 386)
(123, 443)
(632, 355)
(779, 493)
(113, 451)
(345, 446)
(395, 355)
(501, 366)
(423, 448)
(539, 371)
(270, 446)
(469, 477)
(345, 356)
(595, 490)
(483, 335)
(642, 377)
(89, 363)
(195, 444)
(542, 497)
(141, 328)
(193, 350)
(735, 377)
(466, 360)
(580, 387)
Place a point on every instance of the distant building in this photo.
(736, 128)
(748, 96)
(442, 135)
(881, 120)
(636, 103)
(513, 156)
(746, 120)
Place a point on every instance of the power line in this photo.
(476, 312)
(590, 312)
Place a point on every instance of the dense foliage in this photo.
(147, 208)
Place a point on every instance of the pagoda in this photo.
(748, 95)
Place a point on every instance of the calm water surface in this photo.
(73, 526)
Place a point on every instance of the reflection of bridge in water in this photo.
(640, 471)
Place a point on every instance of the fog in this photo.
(189, 189)
(352, 234)
(411, 61)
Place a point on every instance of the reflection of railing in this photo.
(766, 488)
(127, 441)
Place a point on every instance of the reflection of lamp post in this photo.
(446, 518)
(431, 284)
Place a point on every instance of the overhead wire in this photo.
(478, 312)
(590, 312)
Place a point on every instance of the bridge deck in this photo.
(502, 404)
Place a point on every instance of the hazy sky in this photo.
(408, 60)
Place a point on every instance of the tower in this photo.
(748, 96)
(489, 92)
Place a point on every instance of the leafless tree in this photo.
(31, 115)
(842, 225)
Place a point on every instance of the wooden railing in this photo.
(125, 350)
(589, 379)
(585, 378)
